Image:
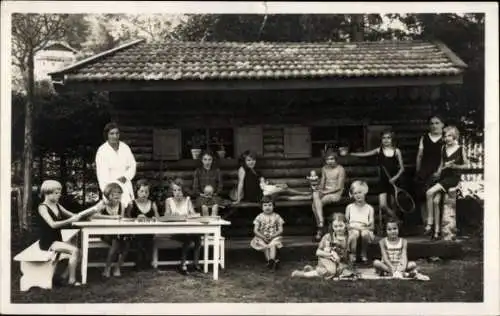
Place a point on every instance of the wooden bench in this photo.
(38, 266)
(96, 242)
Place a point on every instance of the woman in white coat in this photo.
(116, 163)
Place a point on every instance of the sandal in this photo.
(74, 284)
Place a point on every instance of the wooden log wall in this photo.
(138, 114)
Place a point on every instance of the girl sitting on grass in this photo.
(332, 253)
(394, 256)
(268, 228)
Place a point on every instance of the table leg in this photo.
(205, 253)
(216, 253)
(85, 255)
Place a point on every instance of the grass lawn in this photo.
(246, 280)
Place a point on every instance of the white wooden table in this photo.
(118, 227)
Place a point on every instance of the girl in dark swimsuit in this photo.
(248, 189)
(143, 208)
(52, 217)
(390, 158)
(428, 161)
(452, 160)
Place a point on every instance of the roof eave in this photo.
(59, 74)
(451, 55)
(272, 84)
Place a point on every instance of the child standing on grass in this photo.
(332, 253)
(268, 230)
(52, 217)
(143, 208)
(390, 159)
(111, 208)
(181, 205)
(329, 190)
(360, 219)
(453, 159)
(394, 256)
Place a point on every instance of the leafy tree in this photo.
(30, 33)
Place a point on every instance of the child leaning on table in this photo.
(142, 208)
(394, 256)
(52, 217)
(111, 208)
(268, 228)
(360, 220)
(180, 205)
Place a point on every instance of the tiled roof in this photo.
(231, 60)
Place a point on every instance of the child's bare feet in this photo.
(117, 272)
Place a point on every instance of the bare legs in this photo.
(120, 248)
(196, 254)
(74, 253)
(352, 240)
(205, 210)
(433, 199)
(317, 206)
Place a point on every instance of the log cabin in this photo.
(284, 101)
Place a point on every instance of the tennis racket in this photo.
(403, 199)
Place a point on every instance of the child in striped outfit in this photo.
(394, 256)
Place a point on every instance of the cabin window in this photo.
(352, 136)
(214, 139)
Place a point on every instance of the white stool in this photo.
(222, 248)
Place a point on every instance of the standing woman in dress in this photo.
(116, 163)
(428, 161)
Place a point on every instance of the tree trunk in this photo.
(357, 27)
(28, 146)
(63, 173)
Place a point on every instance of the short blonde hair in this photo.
(453, 130)
(359, 184)
(49, 186)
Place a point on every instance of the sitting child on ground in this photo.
(332, 253)
(360, 218)
(394, 256)
(268, 230)
(208, 202)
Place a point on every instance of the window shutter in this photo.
(167, 144)
(297, 142)
(373, 135)
(248, 138)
